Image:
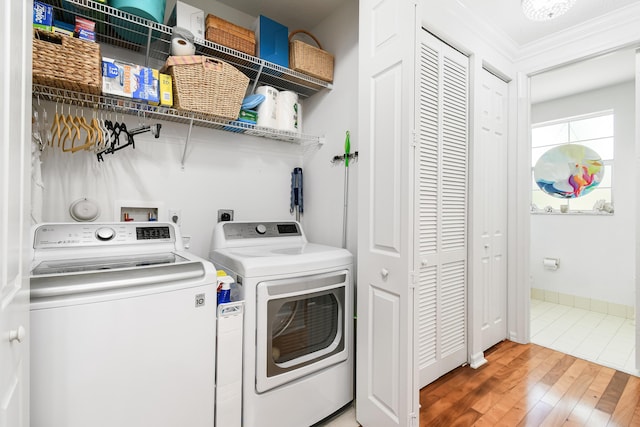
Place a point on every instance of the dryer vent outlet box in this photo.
(225, 215)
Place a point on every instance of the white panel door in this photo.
(637, 209)
(491, 209)
(441, 210)
(15, 161)
(387, 394)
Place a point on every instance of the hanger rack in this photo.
(127, 106)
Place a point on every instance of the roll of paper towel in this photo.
(551, 263)
(267, 110)
(287, 111)
(182, 42)
(182, 47)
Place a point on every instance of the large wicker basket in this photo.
(207, 85)
(308, 59)
(66, 62)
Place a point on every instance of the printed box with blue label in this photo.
(129, 80)
(146, 88)
(166, 91)
(42, 16)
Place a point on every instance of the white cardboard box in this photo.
(187, 17)
(117, 78)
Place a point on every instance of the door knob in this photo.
(384, 273)
(17, 334)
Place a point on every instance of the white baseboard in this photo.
(477, 360)
(590, 304)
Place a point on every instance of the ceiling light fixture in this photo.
(544, 10)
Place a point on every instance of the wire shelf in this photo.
(127, 106)
(122, 29)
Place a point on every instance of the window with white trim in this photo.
(595, 131)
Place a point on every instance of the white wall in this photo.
(222, 171)
(332, 113)
(597, 253)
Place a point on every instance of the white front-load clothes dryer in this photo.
(298, 326)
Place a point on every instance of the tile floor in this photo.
(345, 418)
(601, 338)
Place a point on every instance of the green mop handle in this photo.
(347, 150)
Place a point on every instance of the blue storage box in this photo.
(272, 41)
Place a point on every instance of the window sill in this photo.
(574, 213)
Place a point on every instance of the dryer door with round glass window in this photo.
(300, 326)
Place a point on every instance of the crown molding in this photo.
(455, 15)
(599, 35)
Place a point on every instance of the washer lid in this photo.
(62, 266)
(268, 260)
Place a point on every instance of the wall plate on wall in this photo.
(225, 215)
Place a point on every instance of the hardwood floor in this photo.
(530, 385)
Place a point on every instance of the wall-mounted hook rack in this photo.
(339, 159)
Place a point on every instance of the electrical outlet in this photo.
(175, 216)
(225, 215)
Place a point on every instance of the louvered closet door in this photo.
(442, 209)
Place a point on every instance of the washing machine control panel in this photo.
(69, 235)
(252, 230)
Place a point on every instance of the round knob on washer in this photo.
(105, 233)
(261, 229)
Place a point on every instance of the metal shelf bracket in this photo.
(186, 144)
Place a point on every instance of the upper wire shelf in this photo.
(122, 29)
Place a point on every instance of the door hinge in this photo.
(412, 280)
(413, 142)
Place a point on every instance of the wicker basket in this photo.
(67, 63)
(207, 85)
(308, 59)
(227, 34)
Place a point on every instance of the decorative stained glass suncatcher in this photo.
(569, 171)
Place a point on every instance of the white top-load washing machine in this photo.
(123, 325)
(298, 321)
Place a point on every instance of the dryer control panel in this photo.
(256, 230)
